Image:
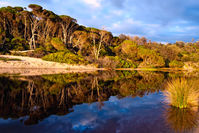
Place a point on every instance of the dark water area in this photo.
(100, 102)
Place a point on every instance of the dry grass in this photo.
(182, 93)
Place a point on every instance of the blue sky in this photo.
(158, 20)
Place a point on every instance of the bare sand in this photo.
(36, 66)
(37, 72)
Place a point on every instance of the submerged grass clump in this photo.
(182, 93)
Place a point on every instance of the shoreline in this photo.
(40, 66)
(25, 62)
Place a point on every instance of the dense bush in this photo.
(127, 49)
(150, 58)
(38, 53)
(176, 64)
(58, 44)
(65, 57)
(125, 63)
(115, 62)
(19, 44)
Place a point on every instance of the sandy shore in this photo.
(29, 62)
(36, 72)
(28, 66)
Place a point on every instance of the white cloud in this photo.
(117, 12)
(93, 3)
(4, 3)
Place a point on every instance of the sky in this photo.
(157, 20)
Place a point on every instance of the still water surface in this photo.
(100, 102)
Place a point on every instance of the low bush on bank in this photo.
(65, 57)
(116, 62)
(58, 44)
(176, 64)
(8, 59)
(19, 44)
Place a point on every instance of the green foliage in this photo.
(89, 29)
(19, 9)
(127, 49)
(8, 9)
(19, 44)
(150, 58)
(58, 44)
(49, 47)
(125, 63)
(176, 64)
(35, 7)
(65, 78)
(9, 59)
(118, 62)
(38, 52)
(194, 57)
(65, 57)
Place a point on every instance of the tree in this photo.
(97, 49)
(68, 25)
(35, 21)
(26, 16)
(34, 26)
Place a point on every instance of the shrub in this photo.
(49, 47)
(37, 53)
(65, 57)
(150, 58)
(127, 49)
(175, 63)
(19, 44)
(181, 94)
(116, 62)
(107, 62)
(125, 63)
(8, 59)
(58, 44)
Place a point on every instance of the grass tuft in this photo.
(182, 93)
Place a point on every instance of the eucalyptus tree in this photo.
(35, 21)
(68, 25)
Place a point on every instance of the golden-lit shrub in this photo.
(176, 64)
(65, 57)
(150, 58)
(58, 44)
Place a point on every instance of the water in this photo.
(101, 102)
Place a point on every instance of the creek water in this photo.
(99, 102)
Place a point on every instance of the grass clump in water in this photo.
(181, 93)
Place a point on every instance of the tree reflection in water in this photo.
(41, 96)
(38, 97)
